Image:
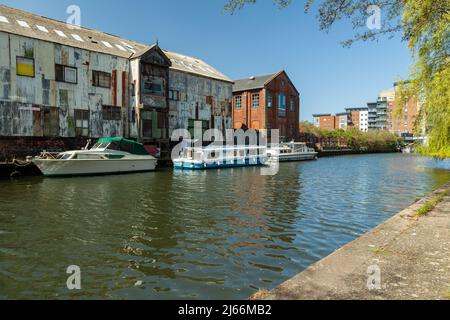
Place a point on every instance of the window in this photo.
(107, 44)
(81, 123)
(292, 103)
(60, 33)
(23, 24)
(281, 104)
(65, 74)
(255, 100)
(153, 86)
(42, 28)
(238, 102)
(77, 37)
(51, 121)
(25, 67)
(174, 95)
(269, 100)
(111, 113)
(101, 79)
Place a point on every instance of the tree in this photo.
(425, 26)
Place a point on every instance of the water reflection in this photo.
(211, 234)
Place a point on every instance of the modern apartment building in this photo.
(385, 100)
(342, 120)
(358, 118)
(325, 121)
(372, 115)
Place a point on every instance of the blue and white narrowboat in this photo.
(214, 157)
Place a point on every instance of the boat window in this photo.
(100, 146)
(126, 147)
(64, 156)
(114, 146)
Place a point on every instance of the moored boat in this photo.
(107, 156)
(215, 157)
(293, 151)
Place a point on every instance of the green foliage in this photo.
(425, 26)
(430, 205)
(234, 5)
(374, 140)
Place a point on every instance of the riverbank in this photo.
(344, 152)
(410, 252)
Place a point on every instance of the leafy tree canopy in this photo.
(425, 26)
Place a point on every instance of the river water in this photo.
(213, 235)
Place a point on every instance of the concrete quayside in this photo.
(406, 257)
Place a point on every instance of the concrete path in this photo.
(407, 257)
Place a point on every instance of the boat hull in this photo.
(59, 168)
(191, 165)
(294, 157)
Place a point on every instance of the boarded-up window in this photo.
(292, 103)
(112, 113)
(37, 122)
(81, 123)
(146, 117)
(59, 72)
(154, 86)
(25, 67)
(101, 79)
(51, 122)
(210, 100)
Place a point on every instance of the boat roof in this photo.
(128, 145)
(117, 139)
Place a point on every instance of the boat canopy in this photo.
(126, 145)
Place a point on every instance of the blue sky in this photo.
(260, 39)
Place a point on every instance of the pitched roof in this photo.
(253, 82)
(30, 25)
(259, 82)
(34, 26)
(193, 65)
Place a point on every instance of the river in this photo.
(219, 234)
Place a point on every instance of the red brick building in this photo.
(267, 102)
(325, 121)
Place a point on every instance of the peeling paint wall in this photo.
(25, 101)
(42, 106)
(200, 98)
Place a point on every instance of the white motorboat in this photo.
(107, 156)
(215, 157)
(293, 151)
